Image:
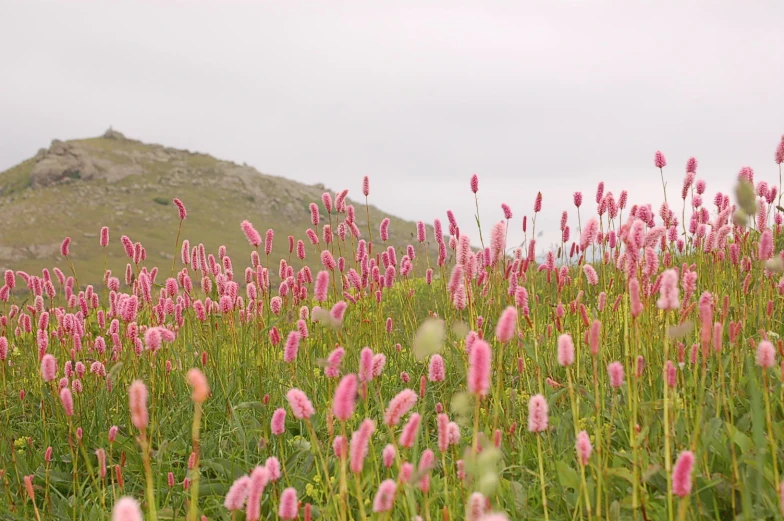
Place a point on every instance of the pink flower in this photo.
(474, 183)
(766, 354)
(340, 446)
(479, 368)
(537, 414)
(254, 238)
(345, 395)
(201, 389)
(671, 372)
(589, 233)
(399, 406)
(507, 324)
(180, 208)
(583, 447)
(410, 431)
(590, 275)
(594, 336)
(322, 285)
(615, 371)
(237, 494)
(104, 241)
(565, 350)
(668, 291)
(292, 347)
(436, 371)
(442, 422)
(126, 509)
(273, 467)
(258, 480)
(366, 186)
(66, 398)
(681, 474)
(278, 423)
(384, 229)
(498, 241)
(659, 160)
(137, 399)
(388, 455)
(578, 199)
(288, 504)
(385, 496)
(64, 246)
(366, 364)
(48, 367)
(359, 445)
(765, 250)
(338, 310)
(300, 405)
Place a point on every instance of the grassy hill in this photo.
(73, 188)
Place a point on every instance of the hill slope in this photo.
(74, 188)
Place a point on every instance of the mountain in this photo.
(73, 188)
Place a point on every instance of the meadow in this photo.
(634, 373)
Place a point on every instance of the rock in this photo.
(113, 134)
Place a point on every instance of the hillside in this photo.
(73, 188)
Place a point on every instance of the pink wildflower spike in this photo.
(766, 354)
(659, 160)
(366, 364)
(565, 350)
(338, 310)
(505, 330)
(494, 516)
(201, 389)
(384, 229)
(126, 509)
(345, 395)
(671, 372)
(436, 371)
(273, 467)
(366, 186)
(681, 474)
(237, 494)
(254, 238)
(66, 398)
(399, 406)
(258, 480)
(479, 368)
(340, 446)
(288, 504)
(476, 507)
(388, 455)
(385, 496)
(410, 431)
(537, 413)
(278, 423)
(104, 241)
(113, 433)
(474, 183)
(538, 203)
(137, 396)
(615, 371)
(64, 247)
(180, 208)
(48, 368)
(358, 446)
(583, 447)
(442, 422)
(668, 291)
(578, 199)
(300, 405)
(594, 336)
(292, 347)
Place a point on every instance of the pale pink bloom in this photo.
(340, 446)
(66, 398)
(201, 389)
(426, 461)
(594, 336)
(359, 445)
(479, 368)
(537, 413)
(474, 183)
(505, 329)
(384, 229)
(681, 474)
(590, 275)
(379, 361)
(615, 371)
(498, 241)
(494, 516)
(668, 291)
(300, 405)
(180, 208)
(442, 422)
(48, 368)
(366, 364)
(388, 455)
(258, 480)
(278, 423)
(410, 431)
(766, 354)
(366, 186)
(288, 504)
(476, 507)
(126, 509)
(237, 494)
(436, 371)
(253, 236)
(565, 350)
(671, 372)
(273, 467)
(137, 399)
(583, 447)
(292, 347)
(345, 395)
(65, 246)
(399, 406)
(385, 496)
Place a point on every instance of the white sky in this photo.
(550, 96)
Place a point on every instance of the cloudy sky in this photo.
(531, 96)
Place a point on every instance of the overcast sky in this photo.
(550, 96)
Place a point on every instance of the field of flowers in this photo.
(635, 373)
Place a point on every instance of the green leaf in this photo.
(567, 476)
